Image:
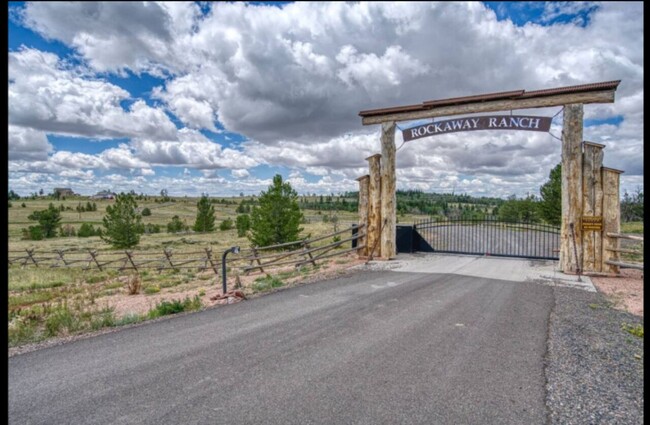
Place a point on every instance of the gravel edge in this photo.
(593, 367)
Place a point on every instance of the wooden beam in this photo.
(603, 96)
(611, 219)
(364, 182)
(571, 189)
(625, 265)
(592, 204)
(388, 196)
(374, 206)
(622, 236)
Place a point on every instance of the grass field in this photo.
(52, 302)
(48, 302)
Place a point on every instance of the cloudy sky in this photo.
(218, 97)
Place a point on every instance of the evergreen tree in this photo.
(122, 222)
(278, 217)
(550, 207)
(204, 215)
(176, 225)
(48, 220)
(227, 224)
(243, 224)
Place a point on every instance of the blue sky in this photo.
(218, 97)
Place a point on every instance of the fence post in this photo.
(592, 204)
(208, 252)
(373, 232)
(65, 263)
(611, 218)
(305, 249)
(168, 254)
(256, 258)
(364, 185)
(93, 255)
(30, 257)
(128, 255)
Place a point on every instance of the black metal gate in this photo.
(489, 236)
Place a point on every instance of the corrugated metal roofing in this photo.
(513, 94)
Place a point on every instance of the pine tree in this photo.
(204, 216)
(550, 207)
(278, 217)
(122, 222)
(48, 220)
(243, 223)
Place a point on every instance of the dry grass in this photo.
(47, 303)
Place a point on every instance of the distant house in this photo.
(63, 191)
(104, 194)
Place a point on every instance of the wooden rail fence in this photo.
(247, 260)
(615, 261)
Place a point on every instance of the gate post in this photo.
(374, 206)
(571, 188)
(592, 204)
(388, 196)
(363, 215)
(611, 218)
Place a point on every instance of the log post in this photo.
(388, 197)
(592, 204)
(364, 182)
(374, 206)
(611, 218)
(571, 188)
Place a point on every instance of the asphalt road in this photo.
(380, 347)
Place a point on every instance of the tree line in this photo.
(274, 218)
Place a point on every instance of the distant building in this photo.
(104, 194)
(63, 191)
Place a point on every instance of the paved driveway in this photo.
(376, 347)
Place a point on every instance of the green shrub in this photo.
(267, 282)
(33, 233)
(87, 230)
(636, 330)
(61, 320)
(173, 307)
(176, 225)
(153, 289)
(227, 224)
(146, 212)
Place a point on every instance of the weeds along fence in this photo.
(299, 253)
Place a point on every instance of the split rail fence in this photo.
(299, 253)
(616, 252)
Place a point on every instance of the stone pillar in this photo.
(374, 206)
(388, 196)
(363, 216)
(592, 204)
(571, 189)
(611, 218)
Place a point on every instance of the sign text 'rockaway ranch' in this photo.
(498, 122)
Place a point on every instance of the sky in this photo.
(217, 98)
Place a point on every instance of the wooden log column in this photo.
(611, 217)
(571, 189)
(374, 206)
(388, 196)
(364, 182)
(592, 204)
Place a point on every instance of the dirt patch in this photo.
(624, 291)
(288, 276)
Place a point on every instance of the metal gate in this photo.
(488, 236)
